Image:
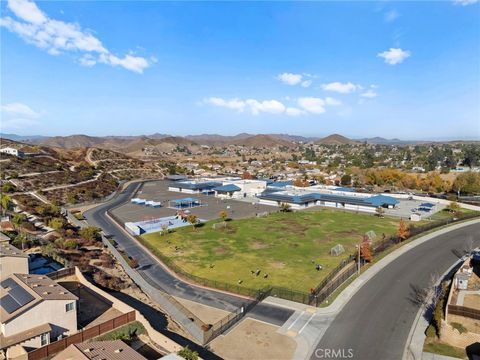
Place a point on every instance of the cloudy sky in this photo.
(394, 69)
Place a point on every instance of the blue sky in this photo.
(394, 69)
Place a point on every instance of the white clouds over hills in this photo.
(303, 106)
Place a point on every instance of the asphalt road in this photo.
(376, 322)
(158, 275)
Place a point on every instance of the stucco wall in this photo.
(47, 311)
(12, 264)
(157, 337)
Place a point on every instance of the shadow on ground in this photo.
(159, 322)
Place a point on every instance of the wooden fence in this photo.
(464, 311)
(81, 336)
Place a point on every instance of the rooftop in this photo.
(21, 292)
(104, 350)
(11, 251)
(227, 188)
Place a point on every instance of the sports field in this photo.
(286, 246)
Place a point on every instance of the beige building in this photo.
(105, 350)
(12, 260)
(34, 311)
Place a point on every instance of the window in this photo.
(44, 339)
(70, 306)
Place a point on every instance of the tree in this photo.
(70, 244)
(247, 176)
(8, 188)
(90, 233)
(300, 183)
(6, 203)
(18, 219)
(223, 215)
(164, 228)
(56, 223)
(467, 183)
(365, 250)
(453, 207)
(188, 354)
(380, 211)
(133, 263)
(192, 219)
(346, 179)
(284, 207)
(402, 230)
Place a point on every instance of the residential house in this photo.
(12, 260)
(34, 310)
(104, 350)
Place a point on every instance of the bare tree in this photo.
(430, 294)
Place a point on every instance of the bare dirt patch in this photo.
(278, 264)
(257, 245)
(254, 340)
(221, 250)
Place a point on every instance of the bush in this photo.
(188, 354)
(459, 327)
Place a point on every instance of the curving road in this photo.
(376, 322)
(159, 275)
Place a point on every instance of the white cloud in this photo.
(369, 94)
(465, 2)
(312, 105)
(27, 11)
(293, 111)
(291, 79)
(394, 56)
(391, 15)
(305, 105)
(55, 37)
(332, 102)
(268, 106)
(234, 104)
(342, 88)
(18, 116)
(306, 83)
(19, 109)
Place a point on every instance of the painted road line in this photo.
(304, 326)
(299, 316)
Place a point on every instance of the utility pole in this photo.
(358, 263)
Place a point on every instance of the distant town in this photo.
(89, 216)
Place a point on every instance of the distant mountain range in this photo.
(165, 142)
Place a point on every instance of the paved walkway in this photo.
(314, 326)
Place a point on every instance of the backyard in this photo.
(285, 247)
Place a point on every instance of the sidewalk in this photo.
(323, 317)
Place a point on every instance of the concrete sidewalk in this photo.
(323, 317)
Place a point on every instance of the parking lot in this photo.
(210, 209)
(405, 207)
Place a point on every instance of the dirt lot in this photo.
(254, 340)
(208, 314)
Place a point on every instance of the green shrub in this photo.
(461, 329)
(188, 354)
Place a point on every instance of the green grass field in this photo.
(287, 246)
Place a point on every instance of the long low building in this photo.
(194, 186)
(309, 199)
